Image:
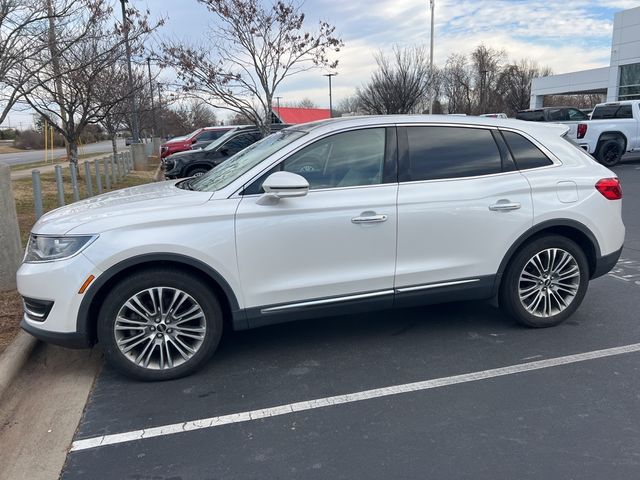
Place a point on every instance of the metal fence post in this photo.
(114, 180)
(74, 182)
(96, 165)
(107, 177)
(119, 168)
(87, 177)
(37, 192)
(59, 185)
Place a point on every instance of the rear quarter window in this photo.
(525, 154)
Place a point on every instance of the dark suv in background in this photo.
(194, 163)
(552, 114)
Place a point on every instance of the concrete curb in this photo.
(14, 357)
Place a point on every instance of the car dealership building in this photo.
(619, 81)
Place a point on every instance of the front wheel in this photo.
(545, 282)
(159, 324)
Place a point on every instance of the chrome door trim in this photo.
(435, 285)
(326, 301)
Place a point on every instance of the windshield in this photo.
(216, 143)
(243, 161)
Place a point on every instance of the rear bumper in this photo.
(605, 263)
(64, 339)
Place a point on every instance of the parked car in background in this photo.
(201, 136)
(128, 141)
(566, 115)
(494, 115)
(332, 217)
(614, 129)
(192, 163)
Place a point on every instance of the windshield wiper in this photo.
(185, 184)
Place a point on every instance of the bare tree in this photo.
(399, 85)
(70, 95)
(255, 48)
(457, 84)
(304, 103)
(487, 64)
(23, 24)
(514, 84)
(348, 105)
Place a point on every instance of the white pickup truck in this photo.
(614, 129)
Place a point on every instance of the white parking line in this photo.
(347, 398)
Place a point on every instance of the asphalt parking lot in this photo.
(505, 416)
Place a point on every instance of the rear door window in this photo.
(434, 153)
(525, 153)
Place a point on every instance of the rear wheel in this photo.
(159, 324)
(609, 152)
(545, 282)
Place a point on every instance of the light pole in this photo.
(153, 108)
(431, 86)
(330, 94)
(134, 111)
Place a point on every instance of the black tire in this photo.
(170, 279)
(197, 172)
(609, 152)
(512, 282)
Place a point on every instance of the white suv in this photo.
(326, 218)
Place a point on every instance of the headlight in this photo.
(42, 248)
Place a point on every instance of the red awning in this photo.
(301, 115)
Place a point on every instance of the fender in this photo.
(539, 228)
(613, 135)
(86, 321)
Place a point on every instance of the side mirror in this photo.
(194, 140)
(224, 151)
(283, 185)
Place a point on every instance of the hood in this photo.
(121, 207)
(175, 140)
(176, 155)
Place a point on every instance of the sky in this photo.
(563, 35)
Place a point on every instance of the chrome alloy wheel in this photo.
(549, 282)
(160, 328)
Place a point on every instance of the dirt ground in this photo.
(10, 315)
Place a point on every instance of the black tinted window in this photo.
(612, 111)
(449, 152)
(575, 114)
(557, 115)
(624, 112)
(525, 153)
(209, 135)
(531, 116)
(239, 143)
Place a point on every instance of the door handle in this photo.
(504, 206)
(369, 219)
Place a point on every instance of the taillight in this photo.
(582, 130)
(610, 188)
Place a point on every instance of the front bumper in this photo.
(64, 339)
(57, 283)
